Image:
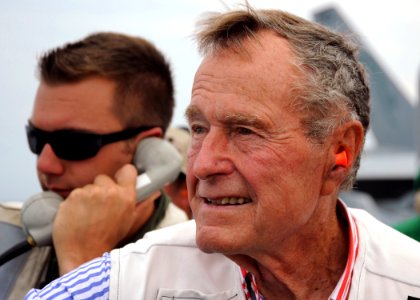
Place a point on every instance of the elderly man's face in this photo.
(254, 179)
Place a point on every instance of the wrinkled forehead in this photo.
(263, 70)
(267, 60)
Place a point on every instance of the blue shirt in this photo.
(88, 282)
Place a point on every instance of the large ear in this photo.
(346, 144)
(153, 132)
(133, 143)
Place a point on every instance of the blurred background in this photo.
(388, 31)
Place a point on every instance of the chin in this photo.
(211, 242)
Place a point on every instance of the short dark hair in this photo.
(144, 89)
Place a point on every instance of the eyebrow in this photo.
(230, 119)
(244, 119)
(193, 113)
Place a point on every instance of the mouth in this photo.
(62, 192)
(228, 201)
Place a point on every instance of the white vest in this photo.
(388, 264)
(167, 264)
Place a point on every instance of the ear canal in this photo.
(341, 159)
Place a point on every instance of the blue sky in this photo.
(390, 29)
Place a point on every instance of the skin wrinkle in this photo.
(254, 120)
(272, 273)
(261, 127)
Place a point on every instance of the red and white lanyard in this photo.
(249, 286)
(342, 288)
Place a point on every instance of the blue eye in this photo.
(197, 129)
(244, 131)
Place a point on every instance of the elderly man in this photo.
(278, 115)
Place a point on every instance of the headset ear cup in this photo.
(341, 159)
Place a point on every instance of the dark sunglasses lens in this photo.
(35, 141)
(75, 146)
(66, 145)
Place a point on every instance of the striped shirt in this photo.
(88, 282)
(91, 280)
(249, 286)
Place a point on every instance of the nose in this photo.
(48, 162)
(211, 156)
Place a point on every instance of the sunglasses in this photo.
(73, 144)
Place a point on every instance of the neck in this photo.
(307, 267)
